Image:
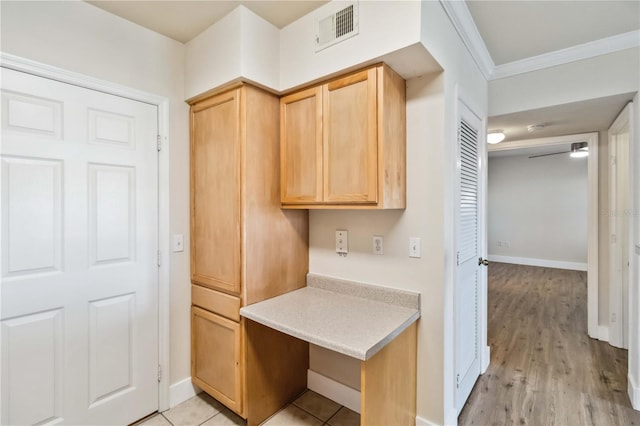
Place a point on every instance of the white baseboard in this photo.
(421, 421)
(603, 333)
(181, 391)
(335, 391)
(558, 264)
(486, 359)
(634, 392)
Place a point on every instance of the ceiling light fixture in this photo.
(495, 136)
(579, 150)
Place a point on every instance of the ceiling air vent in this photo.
(337, 27)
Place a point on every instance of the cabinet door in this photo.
(216, 346)
(215, 192)
(350, 139)
(301, 147)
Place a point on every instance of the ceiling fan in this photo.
(578, 150)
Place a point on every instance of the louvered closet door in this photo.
(466, 292)
(79, 324)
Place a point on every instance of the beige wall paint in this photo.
(78, 37)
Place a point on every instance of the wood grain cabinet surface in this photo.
(343, 143)
(244, 249)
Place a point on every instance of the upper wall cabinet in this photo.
(343, 143)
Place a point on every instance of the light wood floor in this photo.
(544, 369)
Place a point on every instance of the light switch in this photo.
(415, 249)
(178, 243)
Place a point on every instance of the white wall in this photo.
(242, 44)
(538, 207)
(79, 37)
(385, 26)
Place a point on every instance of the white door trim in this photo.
(592, 216)
(621, 125)
(47, 71)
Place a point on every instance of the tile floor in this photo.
(310, 409)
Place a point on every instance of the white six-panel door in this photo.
(79, 310)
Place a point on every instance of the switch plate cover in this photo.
(415, 249)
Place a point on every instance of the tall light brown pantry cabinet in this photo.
(343, 143)
(244, 249)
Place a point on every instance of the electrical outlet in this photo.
(342, 242)
(378, 244)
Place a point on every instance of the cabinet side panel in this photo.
(276, 251)
(391, 138)
(388, 383)
(277, 367)
(215, 193)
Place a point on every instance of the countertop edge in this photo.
(395, 333)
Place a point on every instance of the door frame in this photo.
(593, 328)
(622, 124)
(164, 244)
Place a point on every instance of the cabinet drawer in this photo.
(214, 301)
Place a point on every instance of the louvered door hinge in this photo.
(159, 373)
(458, 259)
(159, 143)
(457, 380)
(158, 258)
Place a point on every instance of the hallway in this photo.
(544, 368)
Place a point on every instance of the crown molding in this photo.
(571, 54)
(465, 26)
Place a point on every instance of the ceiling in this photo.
(515, 30)
(182, 20)
(578, 117)
(512, 30)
